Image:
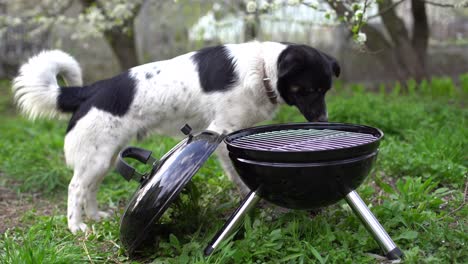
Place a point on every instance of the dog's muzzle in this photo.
(323, 117)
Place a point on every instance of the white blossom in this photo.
(216, 7)
(16, 21)
(251, 6)
(358, 15)
(264, 5)
(313, 3)
(294, 2)
(120, 11)
(361, 38)
(278, 2)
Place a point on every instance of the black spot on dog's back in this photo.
(113, 95)
(148, 75)
(215, 69)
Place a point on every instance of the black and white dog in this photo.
(223, 89)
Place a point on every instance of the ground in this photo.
(417, 190)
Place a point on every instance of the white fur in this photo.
(162, 104)
(36, 89)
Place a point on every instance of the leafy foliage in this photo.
(93, 20)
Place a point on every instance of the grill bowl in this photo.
(304, 185)
(304, 176)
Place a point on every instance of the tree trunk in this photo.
(251, 28)
(384, 52)
(3, 11)
(124, 47)
(251, 22)
(403, 48)
(420, 38)
(123, 44)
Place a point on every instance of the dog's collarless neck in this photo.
(271, 94)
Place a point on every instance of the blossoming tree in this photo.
(397, 46)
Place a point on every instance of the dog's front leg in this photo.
(223, 157)
(226, 164)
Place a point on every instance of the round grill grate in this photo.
(303, 140)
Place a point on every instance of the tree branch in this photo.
(313, 7)
(100, 6)
(393, 23)
(386, 9)
(363, 13)
(376, 40)
(47, 10)
(462, 5)
(340, 9)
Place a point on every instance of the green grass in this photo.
(417, 191)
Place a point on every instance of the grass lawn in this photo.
(417, 190)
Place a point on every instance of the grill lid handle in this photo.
(186, 129)
(126, 170)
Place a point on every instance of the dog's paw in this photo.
(78, 227)
(100, 215)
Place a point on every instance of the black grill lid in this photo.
(303, 142)
(138, 226)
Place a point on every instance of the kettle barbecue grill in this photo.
(296, 166)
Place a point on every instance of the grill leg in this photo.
(236, 218)
(373, 226)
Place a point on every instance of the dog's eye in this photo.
(295, 88)
(305, 92)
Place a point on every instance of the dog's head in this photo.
(304, 76)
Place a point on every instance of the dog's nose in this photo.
(323, 117)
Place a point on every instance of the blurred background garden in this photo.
(404, 70)
(398, 39)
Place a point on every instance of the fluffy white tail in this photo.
(36, 89)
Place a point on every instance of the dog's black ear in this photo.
(336, 68)
(333, 63)
(290, 60)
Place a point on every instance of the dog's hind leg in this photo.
(90, 149)
(91, 155)
(82, 192)
(91, 205)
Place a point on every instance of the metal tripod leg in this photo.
(236, 218)
(373, 226)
